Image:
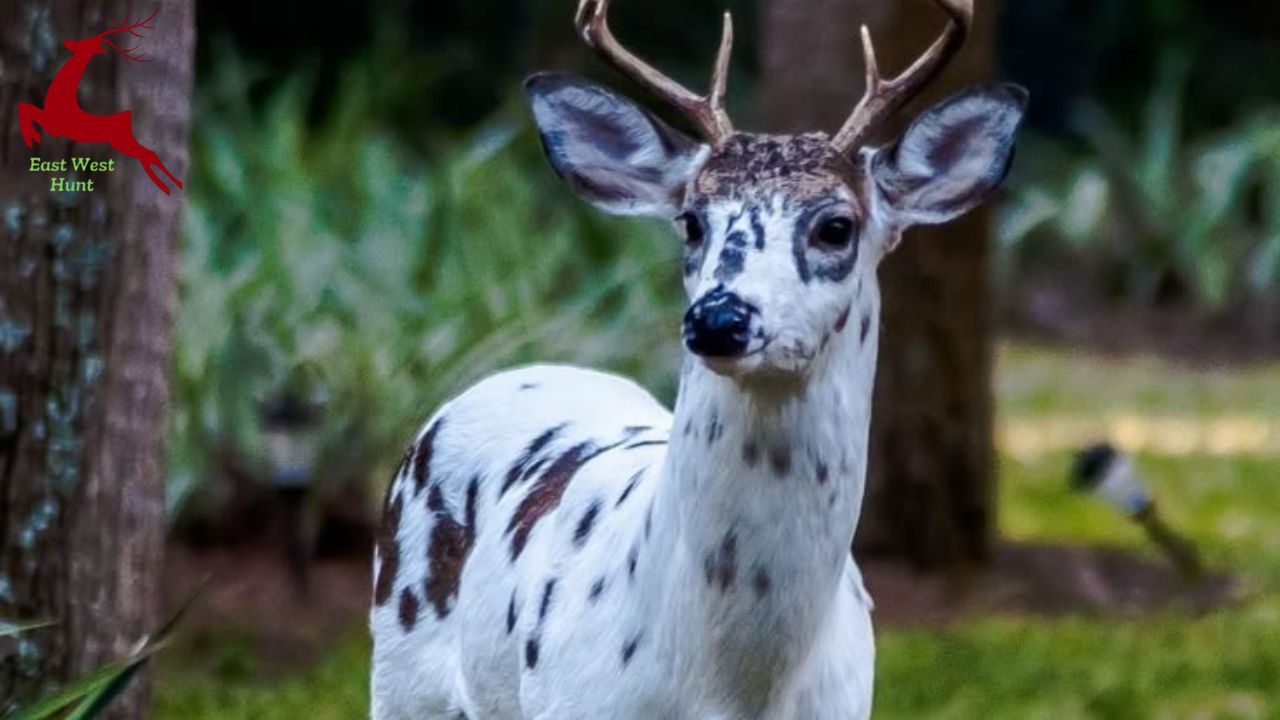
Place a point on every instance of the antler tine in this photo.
(127, 53)
(704, 111)
(884, 97)
(720, 72)
(132, 27)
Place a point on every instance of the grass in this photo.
(1226, 665)
(334, 689)
(1223, 666)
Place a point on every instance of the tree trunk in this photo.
(930, 494)
(87, 292)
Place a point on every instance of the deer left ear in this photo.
(611, 153)
(952, 157)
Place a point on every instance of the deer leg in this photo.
(146, 166)
(147, 158)
(123, 141)
(28, 117)
(168, 174)
(150, 159)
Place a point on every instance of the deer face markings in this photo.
(771, 243)
(781, 232)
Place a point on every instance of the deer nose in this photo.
(718, 325)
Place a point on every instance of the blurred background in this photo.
(370, 226)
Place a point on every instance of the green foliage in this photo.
(1159, 207)
(335, 688)
(92, 695)
(329, 256)
(10, 629)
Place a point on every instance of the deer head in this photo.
(782, 232)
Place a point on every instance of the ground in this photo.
(1123, 645)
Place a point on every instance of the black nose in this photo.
(718, 325)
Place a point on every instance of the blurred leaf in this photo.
(12, 629)
(94, 693)
(1155, 204)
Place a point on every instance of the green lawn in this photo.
(1207, 441)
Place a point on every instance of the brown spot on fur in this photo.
(714, 429)
(546, 493)
(388, 550)
(631, 486)
(823, 473)
(408, 610)
(629, 649)
(585, 525)
(531, 653)
(721, 565)
(548, 592)
(761, 582)
(751, 453)
(844, 319)
(449, 547)
(780, 461)
(529, 461)
(422, 457)
(866, 327)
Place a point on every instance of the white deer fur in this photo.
(696, 565)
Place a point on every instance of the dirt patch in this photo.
(1046, 580)
(254, 599)
(1074, 316)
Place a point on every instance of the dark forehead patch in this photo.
(748, 164)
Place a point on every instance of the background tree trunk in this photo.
(930, 492)
(87, 292)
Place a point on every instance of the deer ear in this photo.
(952, 157)
(610, 152)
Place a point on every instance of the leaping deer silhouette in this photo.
(62, 115)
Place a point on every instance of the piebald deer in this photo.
(557, 545)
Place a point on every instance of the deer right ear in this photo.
(952, 158)
(611, 153)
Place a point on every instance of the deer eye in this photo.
(833, 233)
(694, 231)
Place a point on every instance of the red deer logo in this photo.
(62, 115)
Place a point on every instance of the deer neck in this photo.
(64, 90)
(761, 494)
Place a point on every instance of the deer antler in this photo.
(704, 111)
(884, 97)
(133, 29)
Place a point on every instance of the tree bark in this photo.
(87, 294)
(930, 494)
